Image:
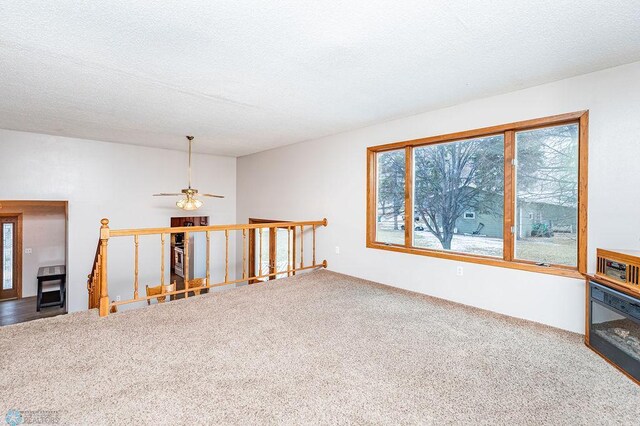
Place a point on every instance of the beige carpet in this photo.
(318, 348)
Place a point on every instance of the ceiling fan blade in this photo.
(212, 195)
(165, 194)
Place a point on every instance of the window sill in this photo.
(482, 260)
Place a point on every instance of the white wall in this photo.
(116, 181)
(326, 178)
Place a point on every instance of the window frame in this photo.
(581, 118)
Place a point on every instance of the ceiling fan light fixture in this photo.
(189, 204)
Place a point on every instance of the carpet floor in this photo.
(316, 348)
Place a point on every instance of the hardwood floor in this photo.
(180, 286)
(22, 310)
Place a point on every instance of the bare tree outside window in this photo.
(454, 178)
(547, 195)
(390, 197)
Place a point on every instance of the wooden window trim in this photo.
(508, 130)
(408, 197)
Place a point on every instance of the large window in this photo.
(512, 195)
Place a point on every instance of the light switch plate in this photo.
(28, 251)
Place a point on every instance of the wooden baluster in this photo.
(314, 245)
(186, 264)
(288, 252)
(301, 246)
(104, 293)
(97, 284)
(89, 290)
(162, 260)
(136, 242)
(208, 257)
(294, 249)
(260, 255)
(226, 256)
(244, 253)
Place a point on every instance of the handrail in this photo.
(94, 299)
(182, 229)
(97, 284)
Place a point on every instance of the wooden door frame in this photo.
(272, 248)
(17, 255)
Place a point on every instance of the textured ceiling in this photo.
(253, 75)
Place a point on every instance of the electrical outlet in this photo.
(459, 271)
(337, 250)
(28, 251)
(118, 298)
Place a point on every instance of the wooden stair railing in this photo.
(97, 284)
(93, 282)
(97, 279)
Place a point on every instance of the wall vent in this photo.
(633, 275)
(601, 264)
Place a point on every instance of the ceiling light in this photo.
(189, 202)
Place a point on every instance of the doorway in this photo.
(33, 260)
(197, 249)
(11, 256)
(271, 250)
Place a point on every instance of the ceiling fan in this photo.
(190, 200)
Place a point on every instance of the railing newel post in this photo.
(104, 292)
